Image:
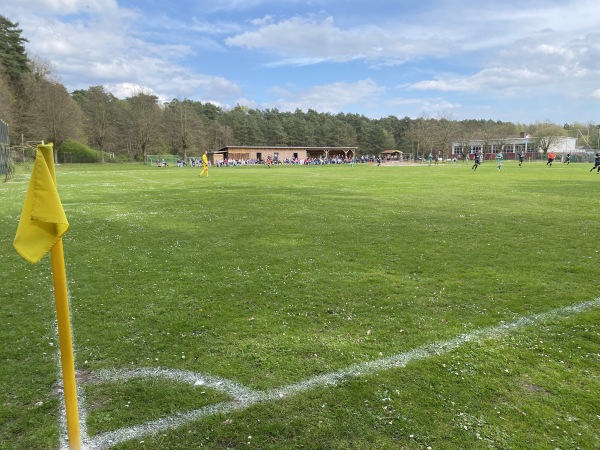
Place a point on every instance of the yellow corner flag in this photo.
(41, 227)
(43, 220)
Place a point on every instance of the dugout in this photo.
(392, 155)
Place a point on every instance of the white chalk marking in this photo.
(244, 398)
(235, 390)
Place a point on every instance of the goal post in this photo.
(162, 160)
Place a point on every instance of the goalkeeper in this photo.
(204, 165)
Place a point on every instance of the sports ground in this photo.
(319, 307)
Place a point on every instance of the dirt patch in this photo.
(530, 387)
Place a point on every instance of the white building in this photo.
(523, 144)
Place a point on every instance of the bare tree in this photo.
(183, 126)
(144, 120)
(445, 133)
(100, 108)
(465, 137)
(43, 68)
(546, 135)
(50, 114)
(422, 135)
(218, 135)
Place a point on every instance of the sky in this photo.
(523, 61)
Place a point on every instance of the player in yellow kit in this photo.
(204, 164)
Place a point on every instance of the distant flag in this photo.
(42, 224)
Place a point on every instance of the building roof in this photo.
(277, 147)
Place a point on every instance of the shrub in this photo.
(75, 152)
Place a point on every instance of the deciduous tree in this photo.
(144, 120)
(101, 113)
(183, 127)
(546, 135)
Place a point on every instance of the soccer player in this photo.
(520, 159)
(550, 159)
(477, 161)
(499, 158)
(596, 163)
(204, 164)
(568, 159)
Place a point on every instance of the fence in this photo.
(6, 162)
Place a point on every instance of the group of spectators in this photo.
(338, 159)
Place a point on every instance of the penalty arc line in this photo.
(245, 398)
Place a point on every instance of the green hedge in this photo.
(75, 152)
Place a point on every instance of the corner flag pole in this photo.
(67, 359)
(42, 224)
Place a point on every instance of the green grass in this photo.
(268, 277)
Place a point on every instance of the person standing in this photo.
(499, 157)
(550, 159)
(429, 158)
(520, 159)
(204, 165)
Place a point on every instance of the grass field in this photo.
(330, 307)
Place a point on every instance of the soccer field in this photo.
(314, 307)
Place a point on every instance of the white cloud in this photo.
(416, 107)
(462, 54)
(63, 7)
(331, 98)
(249, 103)
(103, 46)
(531, 68)
(125, 90)
(180, 84)
(484, 80)
(306, 40)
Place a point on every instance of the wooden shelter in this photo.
(392, 155)
(276, 153)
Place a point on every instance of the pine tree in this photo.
(12, 49)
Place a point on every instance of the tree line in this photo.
(37, 106)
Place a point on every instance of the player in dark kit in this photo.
(477, 161)
(596, 163)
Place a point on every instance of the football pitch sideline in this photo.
(312, 307)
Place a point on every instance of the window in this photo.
(520, 148)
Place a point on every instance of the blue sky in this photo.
(520, 61)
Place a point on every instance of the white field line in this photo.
(244, 398)
(235, 390)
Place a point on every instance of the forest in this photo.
(38, 107)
